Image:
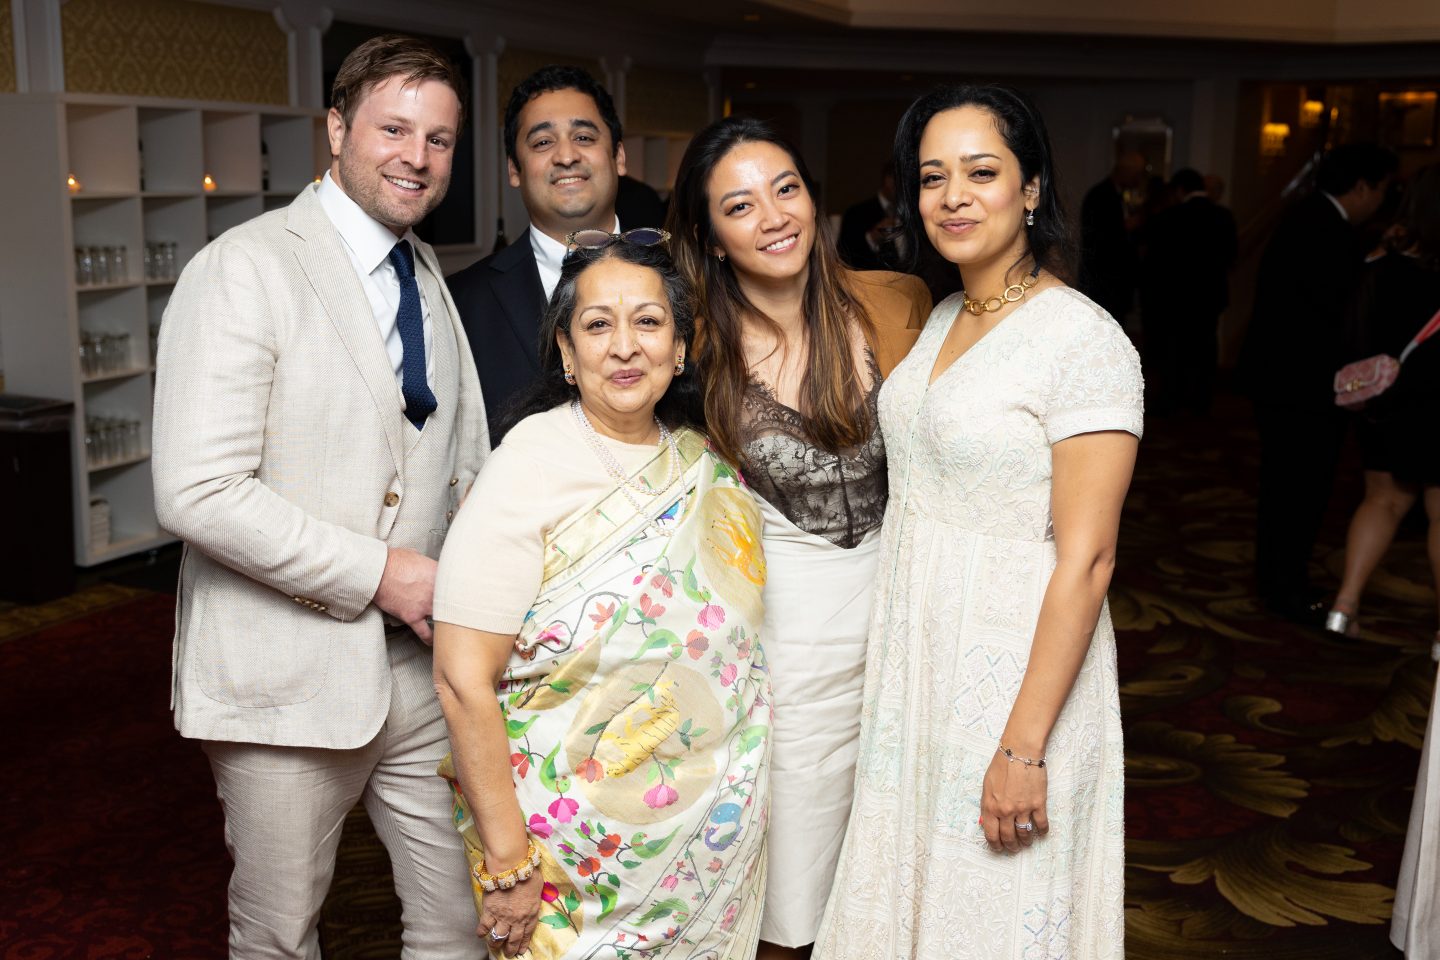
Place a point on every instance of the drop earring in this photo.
(1029, 218)
(679, 366)
(570, 376)
(720, 257)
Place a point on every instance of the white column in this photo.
(485, 119)
(616, 66)
(305, 23)
(815, 137)
(715, 94)
(1212, 126)
(39, 50)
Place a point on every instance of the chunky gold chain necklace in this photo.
(1012, 293)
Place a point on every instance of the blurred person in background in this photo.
(1400, 429)
(1184, 287)
(1307, 276)
(1107, 243)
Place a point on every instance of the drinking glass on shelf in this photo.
(149, 259)
(84, 267)
(120, 264)
(171, 269)
(124, 360)
(99, 266)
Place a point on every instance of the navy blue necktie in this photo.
(419, 401)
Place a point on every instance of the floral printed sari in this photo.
(638, 709)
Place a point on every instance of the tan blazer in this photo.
(898, 305)
(283, 459)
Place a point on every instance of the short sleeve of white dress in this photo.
(1094, 380)
(490, 569)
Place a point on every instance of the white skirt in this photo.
(1415, 926)
(817, 614)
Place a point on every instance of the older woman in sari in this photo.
(597, 612)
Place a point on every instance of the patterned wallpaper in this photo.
(516, 65)
(665, 101)
(7, 49)
(173, 48)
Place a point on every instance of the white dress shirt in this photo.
(369, 243)
(550, 256)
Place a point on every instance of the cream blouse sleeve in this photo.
(491, 566)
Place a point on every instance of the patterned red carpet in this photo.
(1269, 768)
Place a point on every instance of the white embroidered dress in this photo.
(967, 550)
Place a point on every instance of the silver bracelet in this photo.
(1009, 755)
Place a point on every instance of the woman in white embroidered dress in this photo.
(1012, 428)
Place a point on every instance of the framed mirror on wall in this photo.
(1153, 138)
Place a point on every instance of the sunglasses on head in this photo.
(599, 239)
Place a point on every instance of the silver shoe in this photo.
(1338, 621)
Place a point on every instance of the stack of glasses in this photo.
(161, 261)
(110, 440)
(102, 354)
(97, 266)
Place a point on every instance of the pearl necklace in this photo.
(617, 473)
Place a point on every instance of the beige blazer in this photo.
(283, 459)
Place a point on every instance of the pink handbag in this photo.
(1366, 379)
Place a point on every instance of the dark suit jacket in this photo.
(501, 300)
(1308, 274)
(1191, 248)
(858, 221)
(1107, 255)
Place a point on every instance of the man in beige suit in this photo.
(317, 419)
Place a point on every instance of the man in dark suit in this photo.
(864, 242)
(1184, 287)
(1107, 251)
(1307, 276)
(564, 150)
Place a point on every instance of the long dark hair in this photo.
(832, 400)
(679, 407)
(1020, 124)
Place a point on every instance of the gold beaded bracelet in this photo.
(1025, 760)
(524, 870)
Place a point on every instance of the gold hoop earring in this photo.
(570, 376)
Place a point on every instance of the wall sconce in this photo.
(1272, 139)
(209, 183)
(1310, 113)
(72, 184)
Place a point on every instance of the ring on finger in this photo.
(1027, 827)
(499, 936)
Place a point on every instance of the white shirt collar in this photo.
(550, 256)
(1343, 215)
(369, 239)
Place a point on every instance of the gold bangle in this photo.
(1013, 758)
(522, 871)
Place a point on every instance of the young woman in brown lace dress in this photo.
(793, 348)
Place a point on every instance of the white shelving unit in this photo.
(141, 166)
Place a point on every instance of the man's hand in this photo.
(407, 589)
